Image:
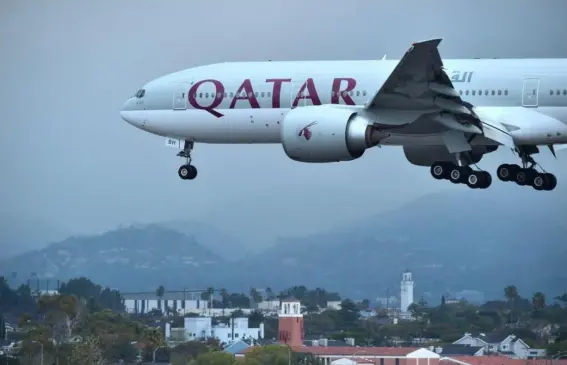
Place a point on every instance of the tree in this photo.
(269, 355)
(255, 318)
(183, 353)
(270, 294)
(348, 314)
(160, 291)
(214, 358)
(224, 297)
(511, 293)
(538, 301)
(255, 295)
(62, 313)
(87, 352)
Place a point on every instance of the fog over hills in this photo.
(461, 240)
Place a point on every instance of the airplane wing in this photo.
(420, 82)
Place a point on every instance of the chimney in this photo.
(438, 350)
(350, 341)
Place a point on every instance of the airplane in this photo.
(446, 115)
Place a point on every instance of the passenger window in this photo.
(558, 92)
(363, 93)
(219, 95)
(206, 95)
(460, 92)
(493, 92)
(466, 92)
(262, 94)
(256, 94)
(499, 92)
(351, 93)
(486, 92)
(564, 92)
(231, 94)
(474, 92)
(550, 92)
(200, 95)
(358, 93)
(269, 94)
(505, 92)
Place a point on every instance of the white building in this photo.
(406, 294)
(200, 328)
(169, 303)
(269, 305)
(498, 343)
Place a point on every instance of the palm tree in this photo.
(270, 293)
(511, 293)
(224, 297)
(538, 300)
(160, 291)
(255, 296)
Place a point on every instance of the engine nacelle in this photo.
(428, 155)
(326, 133)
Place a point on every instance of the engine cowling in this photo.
(326, 133)
(428, 155)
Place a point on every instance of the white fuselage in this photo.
(245, 103)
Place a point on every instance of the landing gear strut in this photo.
(187, 171)
(461, 175)
(527, 175)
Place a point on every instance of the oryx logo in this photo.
(305, 132)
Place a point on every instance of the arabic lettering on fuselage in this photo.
(340, 90)
(461, 76)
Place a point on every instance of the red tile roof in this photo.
(499, 360)
(358, 351)
(350, 351)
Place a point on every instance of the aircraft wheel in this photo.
(440, 170)
(507, 172)
(459, 174)
(187, 172)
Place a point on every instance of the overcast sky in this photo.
(68, 161)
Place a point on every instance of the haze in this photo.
(70, 163)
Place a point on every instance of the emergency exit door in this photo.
(530, 93)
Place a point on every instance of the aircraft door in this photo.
(180, 92)
(530, 93)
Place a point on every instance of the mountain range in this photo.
(451, 241)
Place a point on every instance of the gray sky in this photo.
(69, 161)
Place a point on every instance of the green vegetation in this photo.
(86, 324)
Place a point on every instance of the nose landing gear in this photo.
(187, 171)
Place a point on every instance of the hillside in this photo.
(213, 238)
(461, 240)
(135, 258)
(465, 239)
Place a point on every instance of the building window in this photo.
(381, 361)
(397, 361)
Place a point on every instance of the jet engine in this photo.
(326, 133)
(428, 155)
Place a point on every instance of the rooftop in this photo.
(497, 360)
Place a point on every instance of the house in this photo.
(497, 343)
(200, 328)
(458, 350)
(236, 347)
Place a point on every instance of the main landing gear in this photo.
(187, 171)
(527, 175)
(474, 179)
